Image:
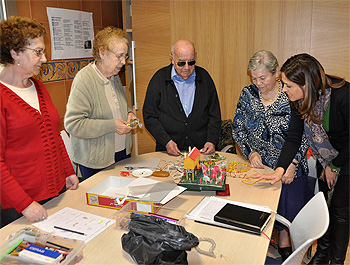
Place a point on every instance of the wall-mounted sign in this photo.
(72, 33)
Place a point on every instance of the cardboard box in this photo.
(115, 192)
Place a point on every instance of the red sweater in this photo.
(34, 161)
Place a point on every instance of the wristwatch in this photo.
(334, 170)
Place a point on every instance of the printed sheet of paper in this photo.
(89, 224)
(210, 206)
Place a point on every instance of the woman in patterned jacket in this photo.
(260, 127)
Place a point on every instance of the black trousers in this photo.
(337, 236)
(87, 172)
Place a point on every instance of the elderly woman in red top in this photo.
(35, 166)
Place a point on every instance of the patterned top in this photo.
(264, 129)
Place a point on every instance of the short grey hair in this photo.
(264, 59)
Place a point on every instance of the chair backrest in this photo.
(225, 141)
(309, 225)
(67, 143)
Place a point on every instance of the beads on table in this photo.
(238, 167)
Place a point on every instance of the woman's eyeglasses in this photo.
(38, 52)
(120, 56)
(190, 63)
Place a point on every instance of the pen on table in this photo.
(213, 224)
(165, 218)
(69, 230)
(57, 245)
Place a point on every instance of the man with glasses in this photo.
(181, 107)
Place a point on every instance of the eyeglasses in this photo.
(38, 52)
(190, 63)
(120, 56)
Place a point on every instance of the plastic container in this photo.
(36, 236)
(122, 217)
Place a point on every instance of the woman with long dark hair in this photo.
(321, 109)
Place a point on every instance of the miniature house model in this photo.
(191, 163)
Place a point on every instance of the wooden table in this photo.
(232, 247)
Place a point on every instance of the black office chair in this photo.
(226, 142)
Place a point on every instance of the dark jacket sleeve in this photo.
(151, 109)
(339, 125)
(214, 113)
(293, 140)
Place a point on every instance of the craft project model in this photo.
(202, 175)
(191, 163)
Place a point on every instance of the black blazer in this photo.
(338, 131)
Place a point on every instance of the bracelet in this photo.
(294, 163)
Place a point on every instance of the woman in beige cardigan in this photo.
(97, 110)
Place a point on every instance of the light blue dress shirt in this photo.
(186, 90)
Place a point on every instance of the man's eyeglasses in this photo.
(120, 56)
(38, 52)
(190, 63)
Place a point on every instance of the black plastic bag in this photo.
(152, 240)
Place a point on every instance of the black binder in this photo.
(252, 220)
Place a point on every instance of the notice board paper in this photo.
(71, 32)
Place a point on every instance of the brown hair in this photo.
(16, 33)
(104, 37)
(303, 69)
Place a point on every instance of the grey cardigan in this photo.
(90, 122)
